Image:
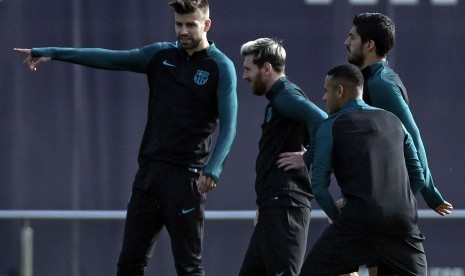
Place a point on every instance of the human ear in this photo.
(268, 67)
(340, 90)
(207, 24)
(370, 45)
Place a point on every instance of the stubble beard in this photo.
(356, 58)
(193, 44)
(258, 87)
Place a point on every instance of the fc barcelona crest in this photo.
(201, 77)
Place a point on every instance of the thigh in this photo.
(142, 226)
(402, 256)
(184, 211)
(337, 251)
(253, 263)
(285, 231)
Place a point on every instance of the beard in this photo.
(356, 57)
(258, 86)
(190, 42)
(258, 89)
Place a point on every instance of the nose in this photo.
(244, 76)
(324, 97)
(183, 30)
(346, 42)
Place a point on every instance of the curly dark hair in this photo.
(377, 27)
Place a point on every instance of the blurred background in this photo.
(69, 135)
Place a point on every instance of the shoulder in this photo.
(325, 130)
(385, 78)
(374, 113)
(390, 76)
(218, 56)
(355, 110)
(293, 88)
(157, 46)
(286, 97)
(391, 116)
(223, 64)
(286, 88)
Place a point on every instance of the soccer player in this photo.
(192, 87)
(370, 39)
(277, 245)
(378, 171)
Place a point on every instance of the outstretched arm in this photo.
(135, 60)
(31, 62)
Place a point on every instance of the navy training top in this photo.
(290, 122)
(376, 167)
(188, 95)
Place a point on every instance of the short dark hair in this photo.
(266, 50)
(348, 75)
(189, 6)
(377, 27)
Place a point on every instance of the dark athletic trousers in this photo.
(338, 251)
(278, 242)
(163, 196)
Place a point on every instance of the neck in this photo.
(369, 60)
(202, 46)
(274, 78)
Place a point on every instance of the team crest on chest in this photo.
(201, 77)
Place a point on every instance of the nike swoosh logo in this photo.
(184, 211)
(165, 62)
(280, 274)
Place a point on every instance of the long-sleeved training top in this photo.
(290, 122)
(376, 166)
(188, 96)
(384, 89)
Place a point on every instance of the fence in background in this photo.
(27, 233)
